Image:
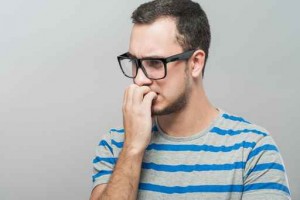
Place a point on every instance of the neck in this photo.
(193, 118)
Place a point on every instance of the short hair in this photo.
(191, 22)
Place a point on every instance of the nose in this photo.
(141, 79)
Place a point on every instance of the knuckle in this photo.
(138, 92)
(132, 86)
(125, 108)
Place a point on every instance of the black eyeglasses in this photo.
(153, 68)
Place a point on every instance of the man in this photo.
(175, 144)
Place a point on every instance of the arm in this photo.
(124, 180)
(123, 183)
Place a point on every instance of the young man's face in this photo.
(159, 40)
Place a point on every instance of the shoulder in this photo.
(264, 170)
(240, 127)
(257, 143)
(249, 138)
(116, 135)
(112, 140)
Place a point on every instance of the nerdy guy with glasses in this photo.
(174, 143)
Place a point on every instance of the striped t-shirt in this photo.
(230, 159)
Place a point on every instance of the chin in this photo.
(157, 109)
(157, 112)
(167, 108)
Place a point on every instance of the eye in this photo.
(153, 63)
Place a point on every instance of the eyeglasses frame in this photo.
(138, 61)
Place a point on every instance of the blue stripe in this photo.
(266, 186)
(236, 132)
(266, 147)
(121, 131)
(101, 173)
(190, 189)
(117, 144)
(181, 168)
(117, 130)
(234, 118)
(105, 144)
(108, 160)
(210, 148)
(266, 166)
(196, 167)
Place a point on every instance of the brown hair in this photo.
(191, 21)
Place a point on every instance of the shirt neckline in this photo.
(212, 124)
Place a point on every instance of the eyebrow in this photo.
(146, 57)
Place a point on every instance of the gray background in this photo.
(61, 87)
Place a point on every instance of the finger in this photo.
(139, 94)
(147, 102)
(125, 98)
(130, 92)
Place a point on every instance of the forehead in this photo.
(155, 39)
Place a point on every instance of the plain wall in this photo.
(61, 87)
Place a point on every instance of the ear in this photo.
(197, 62)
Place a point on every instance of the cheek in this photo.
(172, 88)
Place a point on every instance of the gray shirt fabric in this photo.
(230, 159)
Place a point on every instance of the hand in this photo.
(137, 118)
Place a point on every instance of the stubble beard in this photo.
(179, 103)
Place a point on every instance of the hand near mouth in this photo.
(137, 117)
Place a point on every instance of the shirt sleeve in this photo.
(265, 175)
(104, 161)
